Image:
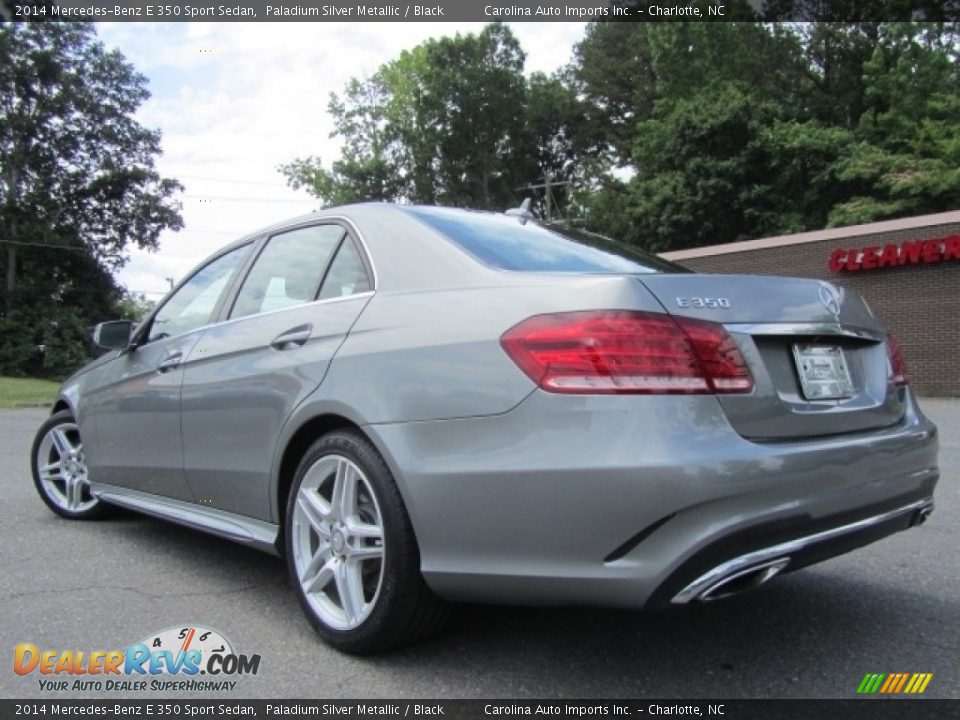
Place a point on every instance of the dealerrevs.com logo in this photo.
(188, 659)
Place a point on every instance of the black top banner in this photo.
(487, 709)
(476, 10)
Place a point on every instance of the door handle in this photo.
(293, 338)
(169, 362)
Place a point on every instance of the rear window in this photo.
(508, 243)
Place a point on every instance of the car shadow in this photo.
(813, 633)
(798, 637)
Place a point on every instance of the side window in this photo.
(347, 275)
(288, 270)
(190, 307)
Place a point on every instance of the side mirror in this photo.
(113, 335)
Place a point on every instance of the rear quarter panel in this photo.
(435, 355)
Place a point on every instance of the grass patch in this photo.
(26, 391)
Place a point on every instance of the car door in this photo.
(136, 406)
(246, 375)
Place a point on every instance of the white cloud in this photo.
(235, 100)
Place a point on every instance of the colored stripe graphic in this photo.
(920, 682)
(894, 683)
(901, 681)
(891, 681)
(870, 683)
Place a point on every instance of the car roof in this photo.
(405, 252)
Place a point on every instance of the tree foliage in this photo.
(672, 134)
(453, 121)
(78, 186)
(739, 130)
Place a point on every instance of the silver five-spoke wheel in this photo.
(351, 551)
(60, 469)
(338, 542)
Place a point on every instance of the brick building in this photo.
(907, 269)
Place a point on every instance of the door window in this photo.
(193, 303)
(347, 274)
(288, 270)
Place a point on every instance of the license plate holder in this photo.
(823, 372)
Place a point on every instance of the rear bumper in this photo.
(757, 566)
(626, 501)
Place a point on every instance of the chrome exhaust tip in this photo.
(731, 578)
(921, 516)
(747, 579)
(746, 572)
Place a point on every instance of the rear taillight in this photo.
(898, 371)
(624, 351)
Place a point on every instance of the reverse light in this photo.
(627, 352)
(898, 370)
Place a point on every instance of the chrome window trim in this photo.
(352, 229)
(350, 233)
(367, 294)
(366, 255)
(255, 239)
(342, 298)
(138, 338)
(225, 312)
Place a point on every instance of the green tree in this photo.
(76, 167)
(367, 168)
(451, 122)
(78, 186)
(696, 162)
(559, 140)
(474, 95)
(613, 72)
(740, 130)
(134, 306)
(63, 291)
(624, 69)
(908, 159)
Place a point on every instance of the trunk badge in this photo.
(831, 298)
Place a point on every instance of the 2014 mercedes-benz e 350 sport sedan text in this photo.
(419, 405)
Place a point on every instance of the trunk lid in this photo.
(788, 329)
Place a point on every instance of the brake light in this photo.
(898, 371)
(625, 351)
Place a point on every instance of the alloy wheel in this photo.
(62, 469)
(338, 542)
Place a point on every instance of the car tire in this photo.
(59, 469)
(351, 551)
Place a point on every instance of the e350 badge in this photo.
(170, 660)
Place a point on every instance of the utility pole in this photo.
(548, 184)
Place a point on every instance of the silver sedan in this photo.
(420, 405)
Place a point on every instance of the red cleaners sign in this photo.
(910, 252)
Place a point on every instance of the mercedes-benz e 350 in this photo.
(418, 405)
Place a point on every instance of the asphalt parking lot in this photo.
(891, 607)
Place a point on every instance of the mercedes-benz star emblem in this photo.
(831, 297)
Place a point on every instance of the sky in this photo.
(235, 100)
